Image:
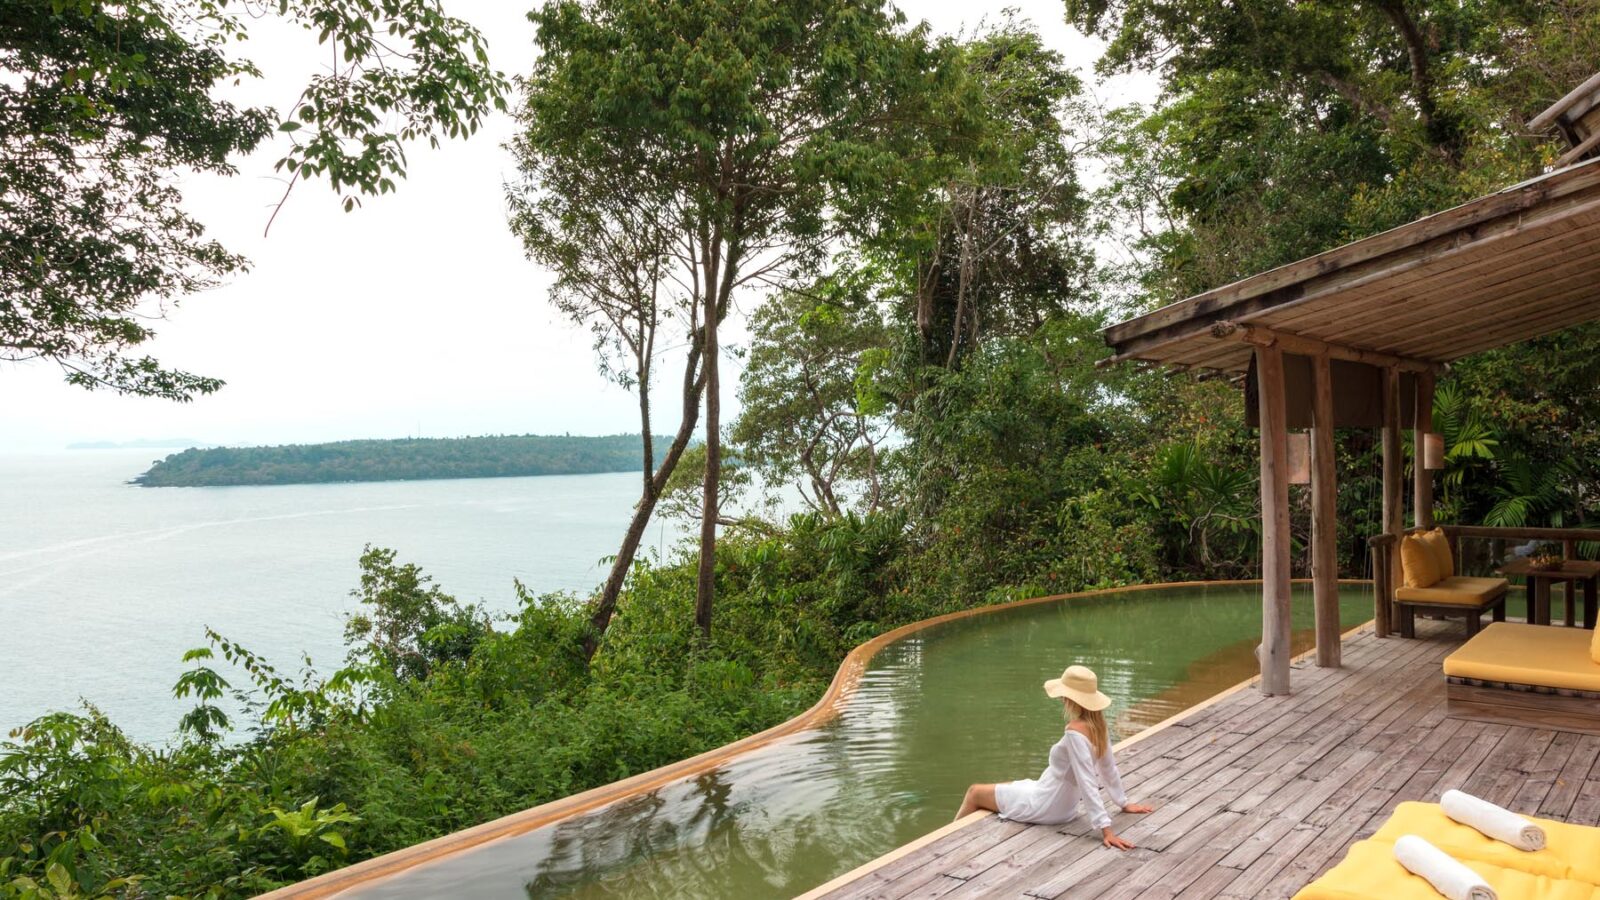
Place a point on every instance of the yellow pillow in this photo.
(1594, 647)
(1439, 546)
(1417, 562)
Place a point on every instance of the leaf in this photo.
(60, 879)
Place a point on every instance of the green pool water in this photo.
(953, 704)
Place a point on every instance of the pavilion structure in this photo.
(1356, 336)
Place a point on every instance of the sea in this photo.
(104, 585)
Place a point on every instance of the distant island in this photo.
(399, 460)
(141, 444)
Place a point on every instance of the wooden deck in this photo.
(1255, 796)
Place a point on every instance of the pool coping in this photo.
(845, 680)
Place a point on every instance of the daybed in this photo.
(1369, 870)
(1431, 585)
(1568, 868)
(1545, 676)
(1570, 851)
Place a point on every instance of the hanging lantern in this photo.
(1432, 451)
(1299, 457)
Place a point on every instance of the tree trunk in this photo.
(721, 273)
(706, 585)
(694, 382)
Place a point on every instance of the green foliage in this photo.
(331, 775)
(110, 101)
(992, 241)
(648, 93)
(1538, 401)
(1527, 494)
(1290, 127)
(407, 627)
(803, 419)
(682, 495)
(206, 722)
(1212, 511)
(309, 832)
(1286, 128)
(1012, 476)
(397, 460)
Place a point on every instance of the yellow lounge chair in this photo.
(1369, 872)
(1570, 852)
(1541, 676)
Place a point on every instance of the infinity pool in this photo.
(955, 703)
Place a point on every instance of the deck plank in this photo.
(1255, 796)
(1558, 802)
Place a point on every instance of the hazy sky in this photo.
(416, 314)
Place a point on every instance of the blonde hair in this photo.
(1099, 736)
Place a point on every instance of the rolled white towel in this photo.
(1493, 821)
(1448, 877)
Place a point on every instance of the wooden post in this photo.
(1393, 490)
(1380, 590)
(1421, 477)
(1324, 515)
(1569, 550)
(1275, 538)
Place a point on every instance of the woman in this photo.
(1080, 763)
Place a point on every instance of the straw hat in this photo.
(1079, 685)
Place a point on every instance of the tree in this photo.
(1286, 128)
(741, 137)
(993, 248)
(112, 99)
(683, 497)
(407, 626)
(1386, 60)
(805, 417)
(586, 219)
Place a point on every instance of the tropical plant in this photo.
(1215, 509)
(1527, 494)
(206, 721)
(311, 834)
(1469, 441)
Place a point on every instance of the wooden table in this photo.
(1539, 581)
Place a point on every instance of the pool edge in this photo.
(845, 680)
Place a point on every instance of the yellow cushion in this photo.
(1417, 562)
(1439, 546)
(1594, 646)
(1545, 655)
(1369, 871)
(1457, 590)
(1571, 851)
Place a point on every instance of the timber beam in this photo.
(1578, 100)
(1300, 345)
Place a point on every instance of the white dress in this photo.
(1074, 775)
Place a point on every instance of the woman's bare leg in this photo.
(979, 796)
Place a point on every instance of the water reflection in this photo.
(948, 706)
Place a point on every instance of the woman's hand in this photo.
(1137, 808)
(1110, 839)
